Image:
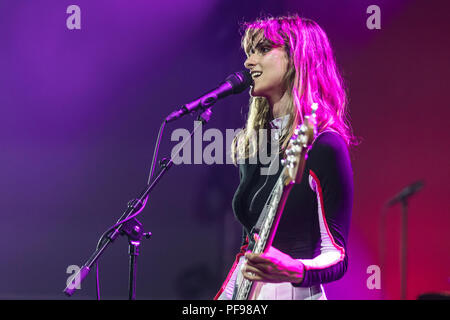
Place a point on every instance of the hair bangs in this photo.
(262, 30)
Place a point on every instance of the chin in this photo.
(257, 93)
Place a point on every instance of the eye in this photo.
(265, 49)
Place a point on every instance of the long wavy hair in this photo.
(312, 77)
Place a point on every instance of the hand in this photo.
(272, 266)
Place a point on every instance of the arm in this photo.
(331, 177)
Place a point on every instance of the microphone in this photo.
(234, 83)
(406, 192)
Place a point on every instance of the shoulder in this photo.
(329, 149)
(330, 142)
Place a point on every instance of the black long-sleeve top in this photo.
(315, 222)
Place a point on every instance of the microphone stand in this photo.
(404, 247)
(403, 198)
(132, 228)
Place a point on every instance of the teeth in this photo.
(256, 74)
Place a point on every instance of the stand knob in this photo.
(147, 235)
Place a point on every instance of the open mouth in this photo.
(256, 74)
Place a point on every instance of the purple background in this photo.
(81, 109)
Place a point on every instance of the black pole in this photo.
(382, 245)
(133, 250)
(403, 198)
(404, 248)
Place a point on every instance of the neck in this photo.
(278, 105)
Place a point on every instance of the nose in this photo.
(250, 62)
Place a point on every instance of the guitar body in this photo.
(274, 291)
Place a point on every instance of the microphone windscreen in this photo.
(240, 81)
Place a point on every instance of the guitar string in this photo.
(244, 288)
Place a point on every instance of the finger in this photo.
(252, 276)
(249, 268)
(256, 258)
(252, 273)
(267, 267)
(263, 270)
(256, 274)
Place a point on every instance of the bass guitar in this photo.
(293, 166)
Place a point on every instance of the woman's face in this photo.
(268, 66)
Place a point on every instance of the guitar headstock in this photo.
(295, 155)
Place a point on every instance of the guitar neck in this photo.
(270, 224)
